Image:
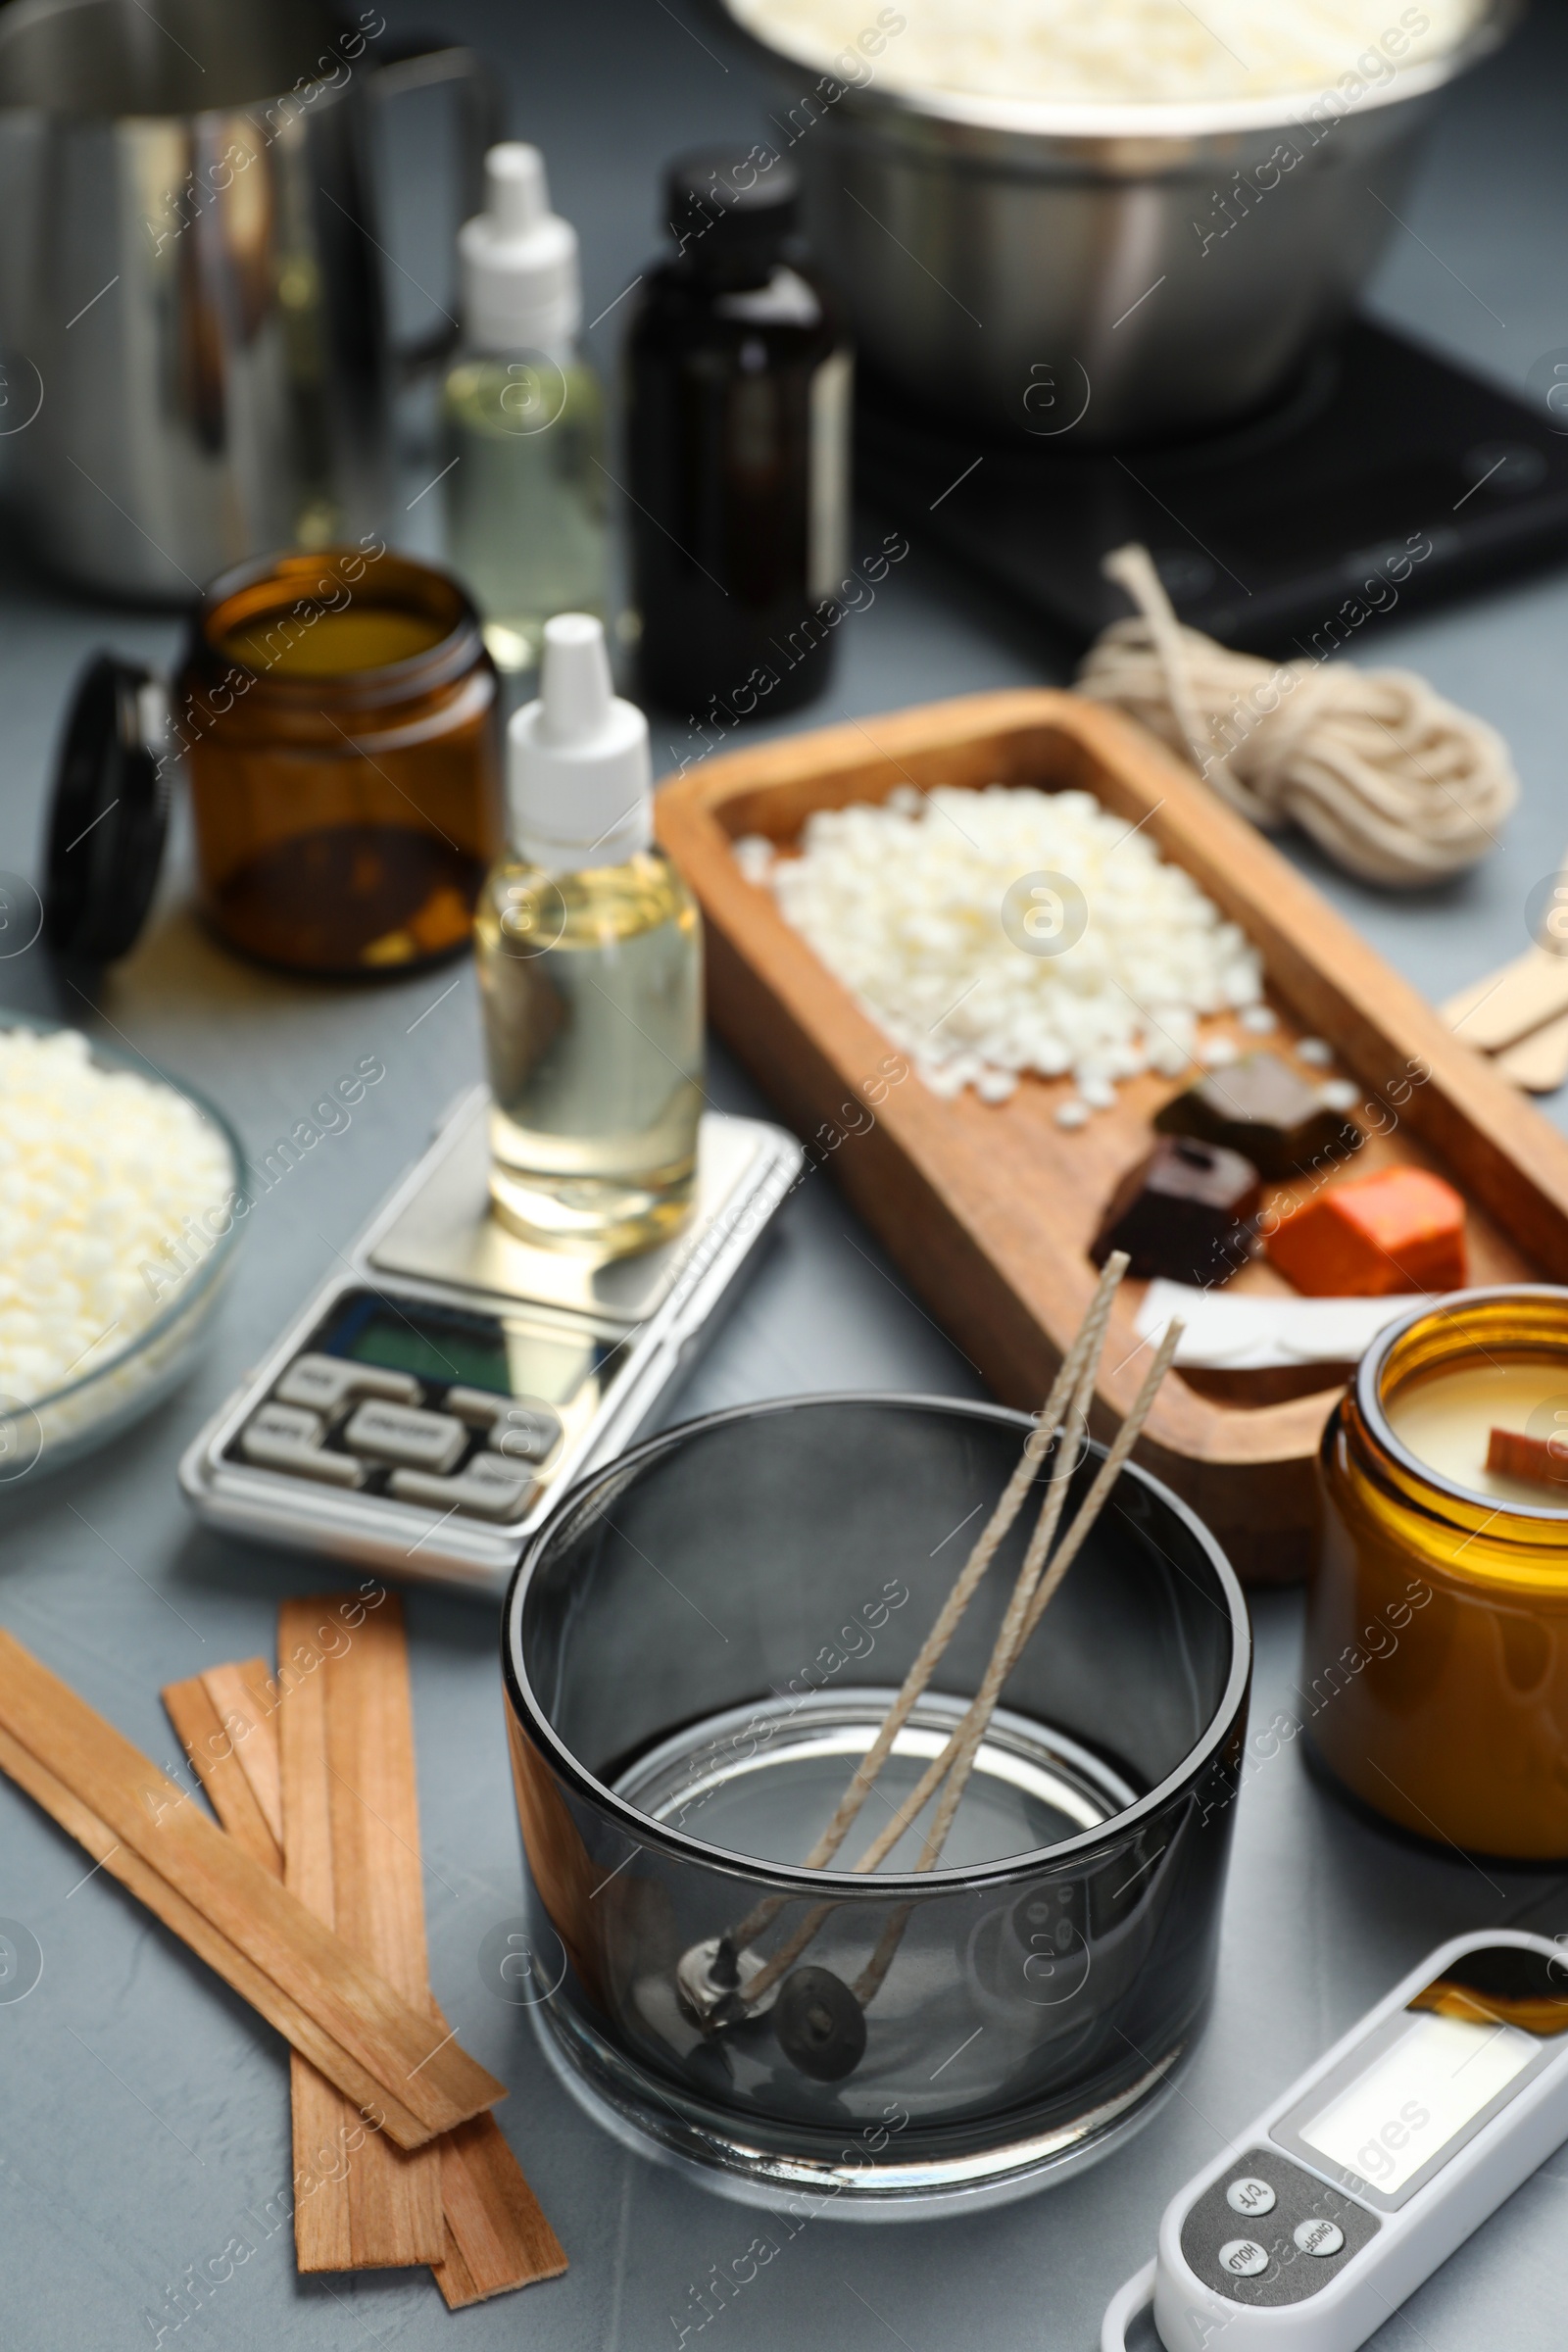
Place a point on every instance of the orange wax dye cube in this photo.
(1401, 1230)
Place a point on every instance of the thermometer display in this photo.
(1408, 2105)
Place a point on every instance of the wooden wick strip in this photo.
(985, 1546)
(351, 1853)
(495, 2236)
(373, 2045)
(225, 1959)
(248, 1696)
(211, 1741)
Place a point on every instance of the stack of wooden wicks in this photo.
(313, 1774)
(1062, 1418)
(398, 2158)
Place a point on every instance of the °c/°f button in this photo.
(1242, 2257)
(1319, 2236)
(1250, 2195)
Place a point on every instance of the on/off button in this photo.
(1243, 2258)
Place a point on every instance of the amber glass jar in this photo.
(1436, 1666)
(339, 718)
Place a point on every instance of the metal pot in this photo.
(194, 361)
(1116, 272)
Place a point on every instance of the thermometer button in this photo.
(1319, 2237)
(1242, 2257)
(1250, 2195)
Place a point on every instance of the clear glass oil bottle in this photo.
(524, 412)
(525, 501)
(589, 947)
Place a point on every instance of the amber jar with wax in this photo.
(1436, 1666)
(339, 719)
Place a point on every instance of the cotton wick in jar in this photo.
(724, 1981)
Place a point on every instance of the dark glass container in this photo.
(697, 1650)
(339, 721)
(738, 392)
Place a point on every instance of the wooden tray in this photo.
(989, 1210)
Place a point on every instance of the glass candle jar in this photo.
(338, 716)
(1436, 1663)
(698, 1649)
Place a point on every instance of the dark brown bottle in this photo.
(738, 423)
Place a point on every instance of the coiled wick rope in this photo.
(1395, 784)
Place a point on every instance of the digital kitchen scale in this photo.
(434, 1398)
(1317, 2221)
(1262, 531)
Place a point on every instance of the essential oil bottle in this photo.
(738, 391)
(590, 953)
(524, 418)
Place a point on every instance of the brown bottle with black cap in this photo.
(738, 424)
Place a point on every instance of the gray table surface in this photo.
(143, 2110)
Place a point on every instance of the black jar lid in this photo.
(727, 203)
(108, 812)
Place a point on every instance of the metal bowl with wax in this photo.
(1094, 273)
(697, 1651)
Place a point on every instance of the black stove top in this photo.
(1387, 478)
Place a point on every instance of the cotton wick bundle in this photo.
(1398, 785)
(1032, 1594)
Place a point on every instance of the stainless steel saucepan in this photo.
(194, 361)
(1095, 274)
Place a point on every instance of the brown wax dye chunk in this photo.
(1259, 1107)
(1184, 1213)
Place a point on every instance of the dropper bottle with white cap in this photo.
(524, 418)
(590, 954)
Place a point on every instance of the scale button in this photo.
(1242, 2257)
(1319, 2236)
(1250, 2195)
(524, 1430)
(397, 1433)
(488, 1488)
(326, 1381)
(285, 1436)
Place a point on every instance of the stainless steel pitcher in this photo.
(195, 358)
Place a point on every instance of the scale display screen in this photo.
(1417, 2097)
(510, 1355)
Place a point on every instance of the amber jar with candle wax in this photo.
(339, 718)
(1436, 1663)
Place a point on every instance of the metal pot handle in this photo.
(415, 64)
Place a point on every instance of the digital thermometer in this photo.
(1349, 2192)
